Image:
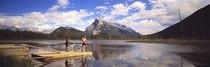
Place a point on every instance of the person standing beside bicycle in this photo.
(84, 41)
(67, 42)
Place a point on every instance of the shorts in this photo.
(67, 45)
(84, 44)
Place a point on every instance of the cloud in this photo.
(106, 2)
(48, 21)
(187, 7)
(55, 7)
(146, 31)
(149, 23)
(129, 19)
(119, 9)
(63, 2)
(60, 3)
(144, 27)
(69, 17)
(90, 21)
(101, 7)
(37, 21)
(161, 13)
(45, 27)
(138, 5)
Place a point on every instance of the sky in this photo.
(144, 16)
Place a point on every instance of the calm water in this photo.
(119, 53)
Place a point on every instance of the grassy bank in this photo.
(172, 41)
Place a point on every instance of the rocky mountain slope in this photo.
(104, 29)
(12, 28)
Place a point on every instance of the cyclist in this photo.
(84, 41)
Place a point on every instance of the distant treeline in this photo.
(31, 35)
(21, 35)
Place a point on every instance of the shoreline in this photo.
(172, 41)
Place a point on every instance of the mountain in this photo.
(195, 26)
(13, 33)
(129, 30)
(66, 32)
(13, 28)
(107, 30)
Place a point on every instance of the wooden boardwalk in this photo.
(23, 51)
(61, 54)
(53, 54)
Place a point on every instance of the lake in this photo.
(119, 53)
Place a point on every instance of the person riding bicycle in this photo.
(84, 41)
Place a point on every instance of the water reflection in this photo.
(147, 55)
(84, 62)
(66, 62)
(102, 51)
(200, 58)
(106, 55)
(125, 54)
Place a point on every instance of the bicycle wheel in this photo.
(77, 48)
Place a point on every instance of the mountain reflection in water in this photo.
(118, 53)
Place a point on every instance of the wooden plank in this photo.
(41, 48)
(62, 54)
(11, 50)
